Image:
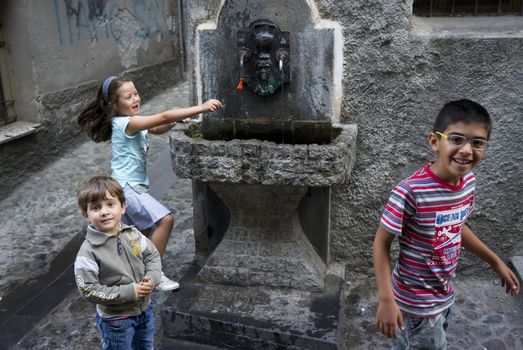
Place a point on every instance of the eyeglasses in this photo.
(460, 141)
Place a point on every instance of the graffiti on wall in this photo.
(130, 24)
(95, 20)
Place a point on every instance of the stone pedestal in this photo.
(265, 244)
(268, 283)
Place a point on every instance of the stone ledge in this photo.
(482, 27)
(17, 130)
(264, 162)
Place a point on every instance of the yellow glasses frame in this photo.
(457, 140)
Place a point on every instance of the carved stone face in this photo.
(264, 35)
(266, 82)
(263, 69)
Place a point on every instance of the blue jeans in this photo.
(136, 332)
(424, 333)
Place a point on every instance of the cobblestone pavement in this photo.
(40, 217)
(483, 317)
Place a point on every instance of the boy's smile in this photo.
(106, 214)
(454, 161)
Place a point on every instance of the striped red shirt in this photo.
(427, 214)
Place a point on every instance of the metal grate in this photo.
(435, 8)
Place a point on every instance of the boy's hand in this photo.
(143, 289)
(508, 278)
(147, 281)
(389, 318)
(211, 105)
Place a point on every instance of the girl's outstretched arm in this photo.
(162, 122)
(508, 279)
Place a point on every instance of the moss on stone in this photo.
(194, 131)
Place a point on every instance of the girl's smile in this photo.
(128, 99)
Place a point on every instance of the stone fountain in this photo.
(263, 168)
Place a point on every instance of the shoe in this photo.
(166, 284)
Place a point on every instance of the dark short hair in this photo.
(464, 111)
(95, 189)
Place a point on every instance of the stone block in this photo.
(249, 318)
(201, 149)
(282, 152)
(251, 150)
(184, 146)
(233, 149)
(258, 278)
(299, 152)
(218, 149)
(315, 152)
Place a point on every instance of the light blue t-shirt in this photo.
(128, 162)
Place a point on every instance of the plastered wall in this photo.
(396, 78)
(59, 51)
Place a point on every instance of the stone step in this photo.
(232, 317)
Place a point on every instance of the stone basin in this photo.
(262, 162)
(272, 239)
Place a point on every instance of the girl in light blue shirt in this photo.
(115, 116)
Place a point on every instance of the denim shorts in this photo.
(424, 333)
(135, 332)
(141, 209)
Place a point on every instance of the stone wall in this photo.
(397, 75)
(60, 51)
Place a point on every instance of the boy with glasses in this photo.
(428, 213)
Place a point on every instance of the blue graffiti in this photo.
(84, 23)
(96, 8)
(78, 20)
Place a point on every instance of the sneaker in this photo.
(166, 284)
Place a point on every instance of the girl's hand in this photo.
(389, 318)
(508, 278)
(210, 106)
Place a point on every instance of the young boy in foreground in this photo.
(116, 268)
(428, 213)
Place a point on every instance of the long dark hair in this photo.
(95, 119)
